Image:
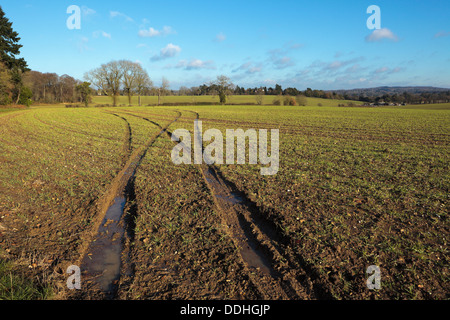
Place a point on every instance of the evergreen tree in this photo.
(278, 90)
(223, 87)
(85, 91)
(9, 49)
(9, 45)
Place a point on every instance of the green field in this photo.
(356, 187)
(189, 100)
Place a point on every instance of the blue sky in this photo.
(318, 44)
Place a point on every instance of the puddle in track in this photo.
(103, 261)
(232, 198)
(229, 202)
(101, 265)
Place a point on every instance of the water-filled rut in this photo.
(102, 262)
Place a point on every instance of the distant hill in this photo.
(380, 91)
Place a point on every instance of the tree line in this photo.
(442, 96)
(213, 88)
(402, 98)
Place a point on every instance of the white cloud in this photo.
(151, 32)
(168, 51)
(114, 14)
(380, 34)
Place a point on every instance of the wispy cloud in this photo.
(82, 44)
(387, 70)
(168, 51)
(249, 68)
(321, 67)
(287, 48)
(151, 32)
(220, 37)
(99, 33)
(381, 34)
(115, 14)
(442, 34)
(354, 68)
(279, 57)
(283, 63)
(326, 73)
(195, 64)
(87, 11)
(382, 70)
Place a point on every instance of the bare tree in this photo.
(128, 69)
(162, 91)
(67, 88)
(131, 71)
(107, 78)
(259, 97)
(224, 88)
(184, 91)
(143, 82)
(49, 82)
(301, 100)
(195, 91)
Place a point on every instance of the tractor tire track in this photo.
(128, 139)
(110, 228)
(256, 241)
